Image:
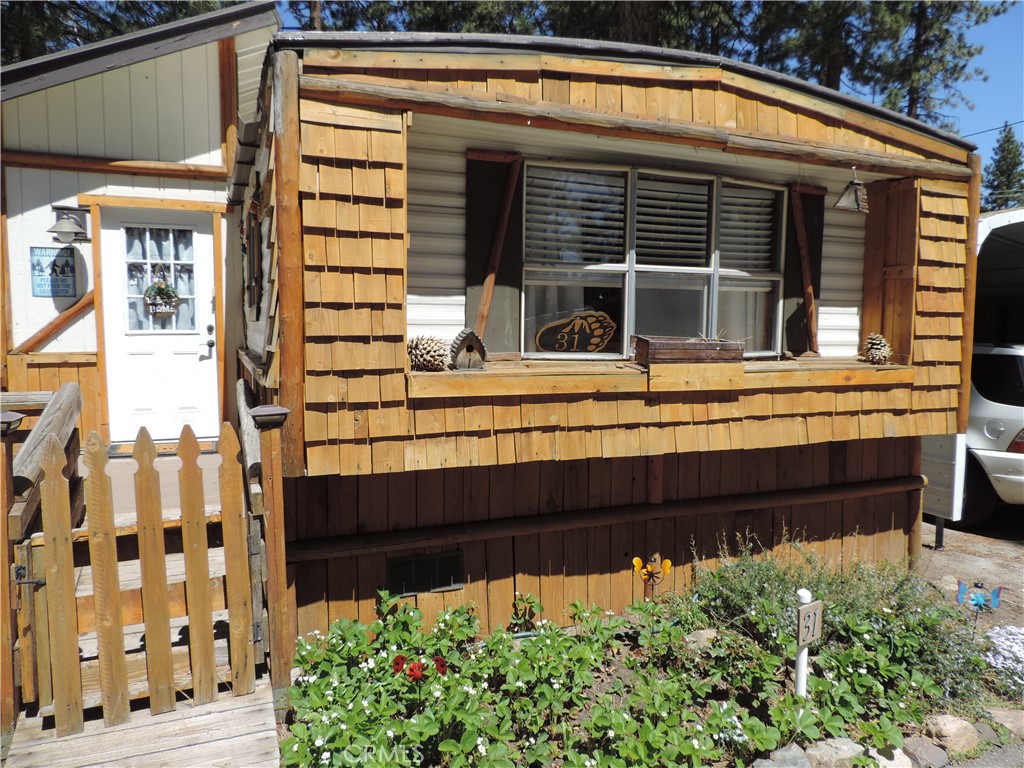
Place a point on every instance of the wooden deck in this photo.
(229, 732)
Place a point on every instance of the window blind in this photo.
(747, 228)
(671, 222)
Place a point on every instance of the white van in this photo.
(969, 475)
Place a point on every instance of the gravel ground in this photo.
(994, 555)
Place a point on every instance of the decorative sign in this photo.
(808, 623)
(53, 271)
(587, 332)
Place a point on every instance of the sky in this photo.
(1001, 99)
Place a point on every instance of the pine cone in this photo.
(429, 353)
(877, 350)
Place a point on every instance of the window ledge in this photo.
(536, 377)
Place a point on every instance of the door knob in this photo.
(210, 343)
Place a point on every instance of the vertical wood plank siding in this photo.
(594, 564)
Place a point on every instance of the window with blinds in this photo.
(613, 252)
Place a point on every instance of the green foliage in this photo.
(639, 692)
(1003, 180)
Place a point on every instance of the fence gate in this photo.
(122, 609)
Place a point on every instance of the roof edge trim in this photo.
(600, 50)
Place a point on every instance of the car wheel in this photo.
(980, 498)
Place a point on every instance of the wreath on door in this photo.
(161, 299)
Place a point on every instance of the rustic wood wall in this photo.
(363, 413)
(594, 564)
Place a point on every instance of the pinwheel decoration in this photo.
(651, 572)
(977, 598)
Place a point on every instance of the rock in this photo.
(702, 639)
(924, 754)
(833, 753)
(954, 734)
(890, 757)
(1011, 719)
(790, 756)
(986, 733)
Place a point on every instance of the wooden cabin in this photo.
(132, 139)
(537, 189)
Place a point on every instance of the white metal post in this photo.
(804, 597)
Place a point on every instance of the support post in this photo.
(270, 420)
(915, 512)
(10, 699)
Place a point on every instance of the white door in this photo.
(161, 366)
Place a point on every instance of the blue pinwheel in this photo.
(977, 598)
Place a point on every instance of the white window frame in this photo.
(629, 268)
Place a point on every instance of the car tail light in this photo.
(1017, 444)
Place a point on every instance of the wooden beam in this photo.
(541, 114)
(218, 314)
(915, 507)
(5, 285)
(10, 698)
(158, 203)
(83, 163)
(805, 268)
(228, 80)
(970, 286)
(58, 324)
(290, 264)
(282, 640)
(446, 535)
(101, 342)
(497, 245)
(481, 106)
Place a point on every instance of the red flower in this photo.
(441, 665)
(398, 664)
(415, 671)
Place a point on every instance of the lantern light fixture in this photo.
(854, 197)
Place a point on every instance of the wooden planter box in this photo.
(675, 349)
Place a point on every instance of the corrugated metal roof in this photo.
(66, 66)
(423, 42)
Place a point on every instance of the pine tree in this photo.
(32, 29)
(1003, 179)
(921, 72)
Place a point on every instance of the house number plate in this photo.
(808, 620)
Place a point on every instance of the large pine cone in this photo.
(429, 353)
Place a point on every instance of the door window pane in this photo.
(156, 255)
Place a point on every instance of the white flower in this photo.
(344, 726)
(391, 734)
(696, 744)
(318, 743)
(611, 733)
(325, 757)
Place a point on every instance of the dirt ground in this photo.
(992, 554)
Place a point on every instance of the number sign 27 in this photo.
(808, 620)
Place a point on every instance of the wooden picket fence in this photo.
(152, 624)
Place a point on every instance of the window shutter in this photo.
(794, 314)
(748, 228)
(671, 222)
(575, 216)
(485, 187)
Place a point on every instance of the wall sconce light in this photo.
(268, 416)
(854, 197)
(10, 421)
(70, 225)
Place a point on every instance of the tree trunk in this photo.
(638, 22)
